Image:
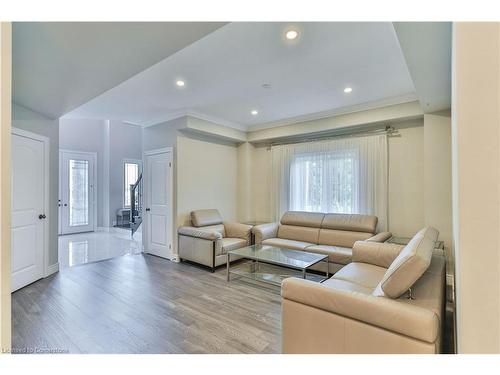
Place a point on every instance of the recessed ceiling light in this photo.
(347, 90)
(254, 112)
(180, 83)
(291, 34)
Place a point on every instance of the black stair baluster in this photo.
(136, 205)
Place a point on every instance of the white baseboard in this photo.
(175, 258)
(53, 268)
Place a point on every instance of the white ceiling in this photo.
(224, 73)
(67, 68)
(427, 50)
(59, 66)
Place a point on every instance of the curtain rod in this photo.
(388, 129)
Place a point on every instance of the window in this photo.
(324, 182)
(344, 175)
(131, 172)
(78, 192)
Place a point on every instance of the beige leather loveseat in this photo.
(366, 306)
(209, 238)
(330, 234)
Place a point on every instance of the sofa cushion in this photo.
(303, 219)
(229, 244)
(287, 244)
(366, 275)
(379, 313)
(336, 254)
(377, 253)
(410, 264)
(201, 218)
(341, 238)
(217, 228)
(347, 286)
(350, 222)
(292, 232)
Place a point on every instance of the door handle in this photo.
(42, 216)
(148, 209)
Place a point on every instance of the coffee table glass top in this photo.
(282, 257)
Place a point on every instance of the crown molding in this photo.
(408, 98)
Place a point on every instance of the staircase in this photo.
(136, 204)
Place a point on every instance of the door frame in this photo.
(46, 192)
(145, 232)
(94, 195)
(140, 163)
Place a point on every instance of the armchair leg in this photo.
(213, 258)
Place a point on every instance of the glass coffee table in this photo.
(273, 264)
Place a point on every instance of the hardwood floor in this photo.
(144, 304)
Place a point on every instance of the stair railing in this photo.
(136, 204)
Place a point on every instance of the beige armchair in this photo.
(209, 238)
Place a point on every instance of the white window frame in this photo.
(128, 161)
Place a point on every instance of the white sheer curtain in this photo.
(348, 175)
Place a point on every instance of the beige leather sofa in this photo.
(330, 234)
(365, 307)
(209, 238)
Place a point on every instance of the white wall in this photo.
(206, 177)
(5, 173)
(245, 199)
(261, 175)
(476, 184)
(25, 119)
(113, 141)
(437, 178)
(88, 136)
(406, 180)
(162, 135)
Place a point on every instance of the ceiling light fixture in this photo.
(347, 90)
(291, 34)
(180, 83)
(254, 112)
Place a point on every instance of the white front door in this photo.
(76, 192)
(158, 203)
(28, 209)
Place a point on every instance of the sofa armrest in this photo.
(380, 237)
(205, 234)
(402, 318)
(264, 231)
(377, 253)
(238, 230)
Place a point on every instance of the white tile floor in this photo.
(77, 249)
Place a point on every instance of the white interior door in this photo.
(158, 202)
(28, 209)
(77, 200)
